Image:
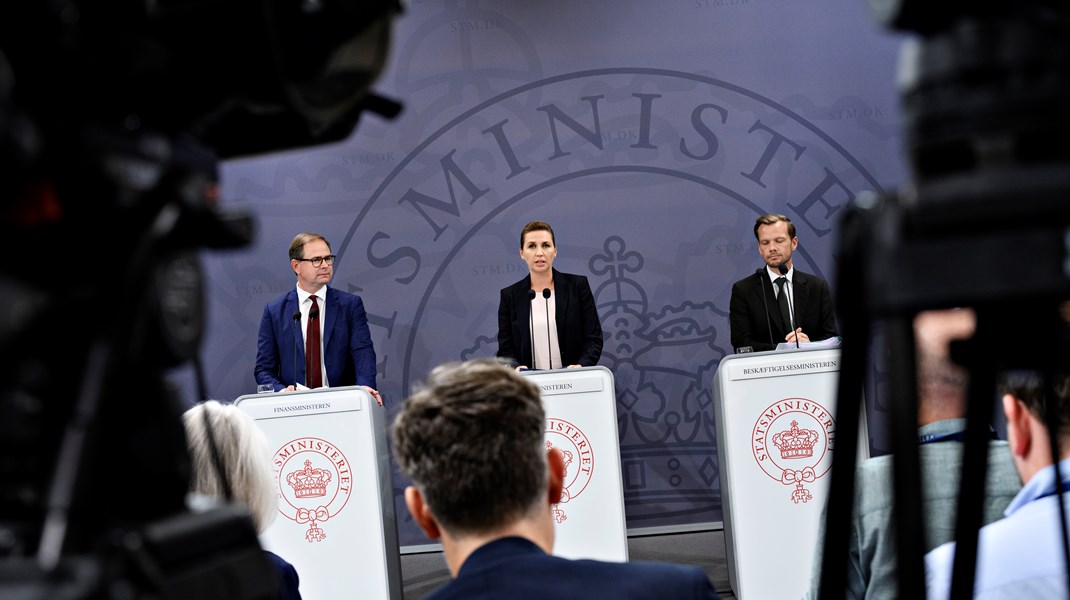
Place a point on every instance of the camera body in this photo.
(985, 223)
(114, 116)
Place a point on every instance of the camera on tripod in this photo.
(985, 223)
(113, 119)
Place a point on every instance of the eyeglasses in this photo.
(317, 261)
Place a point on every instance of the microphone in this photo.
(760, 273)
(297, 331)
(549, 352)
(313, 313)
(783, 268)
(531, 327)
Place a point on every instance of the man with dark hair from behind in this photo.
(1021, 556)
(472, 442)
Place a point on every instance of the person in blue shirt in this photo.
(1021, 555)
(872, 554)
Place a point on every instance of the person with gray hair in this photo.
(473, 443)
(243, 458)
(872, 554)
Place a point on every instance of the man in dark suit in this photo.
(328, 327)
(472, 442)
(758, 316)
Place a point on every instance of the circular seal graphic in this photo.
(314, 481)
(792, 443)
(579, 460)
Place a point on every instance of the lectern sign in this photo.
(314, 481)
(792, 442)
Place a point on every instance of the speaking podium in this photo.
(775, 434)
(336, 521)
(581, 422)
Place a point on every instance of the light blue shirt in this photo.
(872, 550)
(1020, 556)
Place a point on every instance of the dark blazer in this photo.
(517, 569)
(579, 332)
(347, 343)
(753, 298)
(288, 579)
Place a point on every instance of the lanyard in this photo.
(958, 436)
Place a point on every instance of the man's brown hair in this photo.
(472, 442)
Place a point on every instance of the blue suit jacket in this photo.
(517, 569)
(347, 344)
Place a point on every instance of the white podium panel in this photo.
(336, 522)
(775, 435)
(581, 421)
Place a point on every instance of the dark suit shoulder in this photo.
(282, 301)
(342, 297)
(807, 278)
(518, 287)
(569, 279)
(512, 569)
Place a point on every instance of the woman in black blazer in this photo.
(547, 320)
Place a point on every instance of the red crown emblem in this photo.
(796, 443)
(309, 482)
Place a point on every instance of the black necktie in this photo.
(313, 373)
(782, 300)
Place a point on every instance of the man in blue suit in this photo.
(315, 321)
(472, 442)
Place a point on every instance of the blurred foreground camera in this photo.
(985, 223)
(114, 116)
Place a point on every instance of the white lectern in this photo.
(775, 434)
(336, 522)
(581, 421)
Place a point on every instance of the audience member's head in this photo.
(1029, 388)
(243, 454)
(1029, 401)
(942, 384)
(472, 442)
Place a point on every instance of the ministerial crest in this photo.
(792, 443)
(314, 482)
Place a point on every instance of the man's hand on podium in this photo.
(374, 393)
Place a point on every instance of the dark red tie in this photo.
(313, 373)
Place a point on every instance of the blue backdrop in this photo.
(649, 134)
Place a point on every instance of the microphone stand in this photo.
(531, 326)
(783, 268)
(549, 351)
(297, 332)
(313, 313)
